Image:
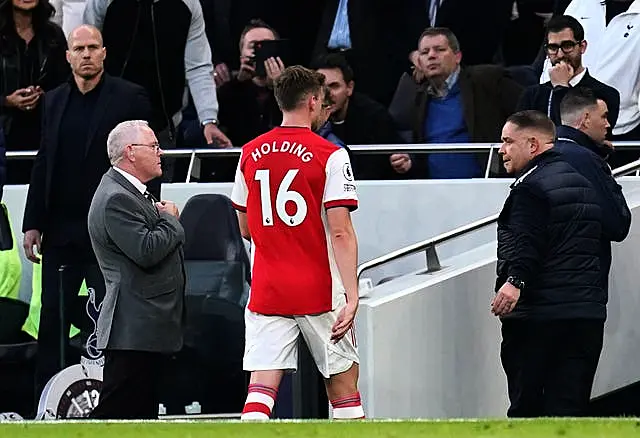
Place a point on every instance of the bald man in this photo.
(77, 118)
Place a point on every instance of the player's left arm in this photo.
(340, 199)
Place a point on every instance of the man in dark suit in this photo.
(138, 244)
(77, 117)
(565, 45)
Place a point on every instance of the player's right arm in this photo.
(239, 195)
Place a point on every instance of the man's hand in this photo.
(32, 238)
(505, 300)
(560, 74)
(214, 135)
(608, 144)
(274, 68)
(401, 163)
(247, 70)
(168, 207)
(221, 74)
(344, 322)
(24, 99)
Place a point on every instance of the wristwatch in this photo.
(210, 121)
(516, 282)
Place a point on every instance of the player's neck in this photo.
(296, 120)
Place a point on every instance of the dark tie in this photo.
(150, 197)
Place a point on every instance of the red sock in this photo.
(260, 401)
(348, 408)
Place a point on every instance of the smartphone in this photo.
(266, 49)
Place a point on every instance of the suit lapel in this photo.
(120, 179)
(99, 112)
(57, 108)
(466, 95)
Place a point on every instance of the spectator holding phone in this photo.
(247, 105)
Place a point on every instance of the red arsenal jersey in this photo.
(285, 181)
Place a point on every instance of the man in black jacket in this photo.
(565, 45)
(77, 118)
(581, 141)
(549, 293)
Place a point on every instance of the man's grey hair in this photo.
(124, 134)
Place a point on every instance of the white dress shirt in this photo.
(132, 179)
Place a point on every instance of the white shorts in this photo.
(271, 342)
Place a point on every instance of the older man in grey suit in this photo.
(138, 243)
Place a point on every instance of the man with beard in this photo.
(565, 47)
(77, 118)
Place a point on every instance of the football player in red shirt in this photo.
(294, 192)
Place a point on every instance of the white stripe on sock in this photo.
(254, 416)
(259, 397)
(350, 412)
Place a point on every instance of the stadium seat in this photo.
(209, 367)
(17, 359)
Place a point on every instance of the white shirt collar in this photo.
(577, 78)
(132, 179)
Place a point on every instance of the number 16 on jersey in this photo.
(283, 196)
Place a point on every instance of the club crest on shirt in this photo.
(346, 171)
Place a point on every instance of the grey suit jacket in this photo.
(140, 254)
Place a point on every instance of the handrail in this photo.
(358, 149)
(429, 245)
(430, 148)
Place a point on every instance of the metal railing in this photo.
(429, 245)
(433, 148)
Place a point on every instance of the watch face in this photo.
(79, 399)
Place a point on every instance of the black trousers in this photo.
(130, 385)
(53, 332)
(550, 365)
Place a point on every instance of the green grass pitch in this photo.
(539, 428)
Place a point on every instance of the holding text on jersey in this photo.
(291, 147)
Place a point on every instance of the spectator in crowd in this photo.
(581, 141)
(548, 231)
(31, 62)
(247, 105)
(325, 125)
(78, 116)
(162, 46)
(455, 105)
(565, 46)
(68, 14)
(138, 244)
(356, 119)
(614, 41)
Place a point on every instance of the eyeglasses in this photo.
(566, 47)
(154, 146)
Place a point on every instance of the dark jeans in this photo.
(53, 332)
(550, 365)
